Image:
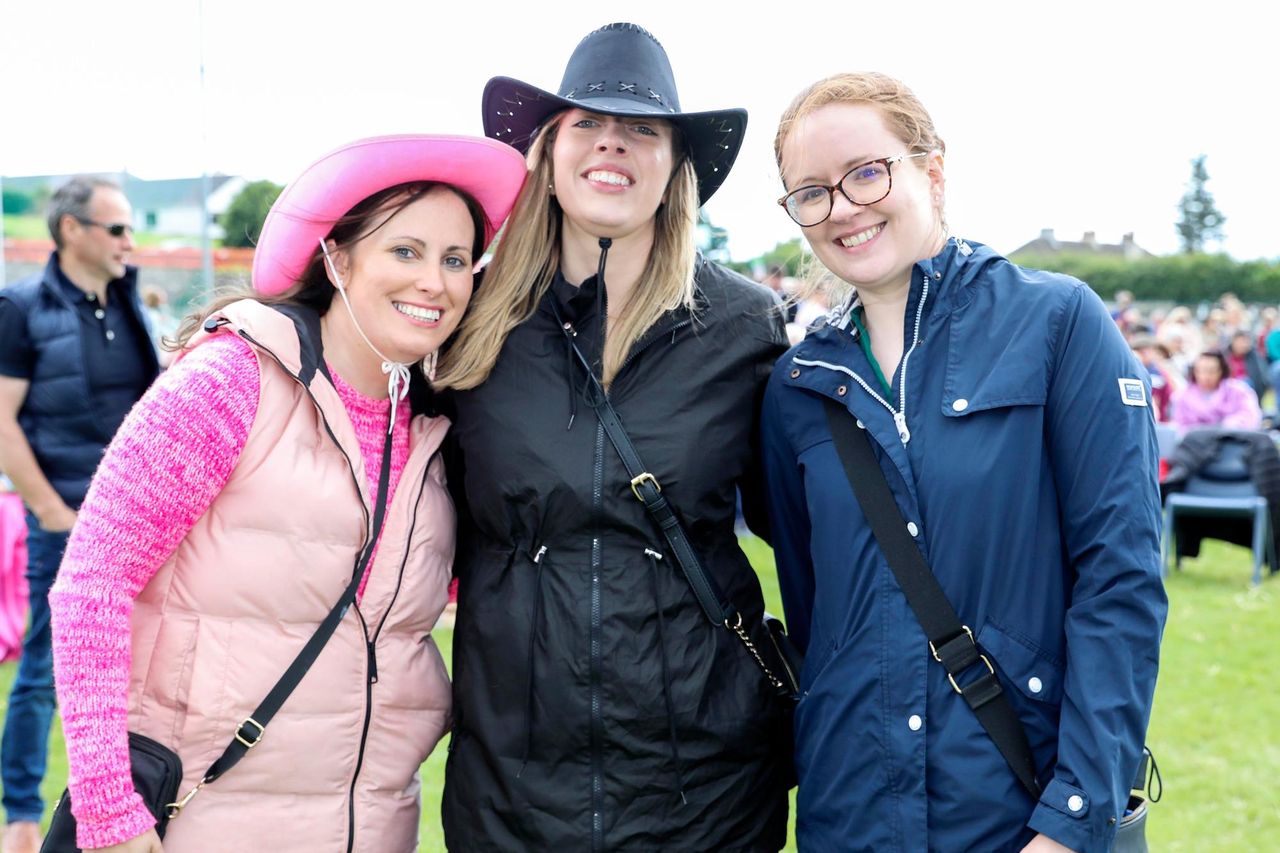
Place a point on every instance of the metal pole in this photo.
(2, 271)
(206, 252)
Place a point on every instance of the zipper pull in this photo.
(373, 663)
(900, 421)
(542, 552)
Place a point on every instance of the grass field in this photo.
(1215, 729)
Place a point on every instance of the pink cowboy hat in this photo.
(490, 172)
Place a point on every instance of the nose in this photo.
(431, 281)
(611, 138)
(843, 209)
(127, 239)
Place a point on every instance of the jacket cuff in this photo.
(1066, 815)
(106, 831)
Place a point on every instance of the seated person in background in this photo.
(1246, 364)
(1164, 383)
(1214, 399)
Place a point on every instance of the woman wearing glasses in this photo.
(1014, 432)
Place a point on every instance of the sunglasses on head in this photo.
(115, 229)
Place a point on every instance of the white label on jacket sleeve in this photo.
(1133, 392)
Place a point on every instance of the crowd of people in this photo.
(568, 433)
(1216, 367)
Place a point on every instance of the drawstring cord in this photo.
(568, 372)
(533, 636)
(654, 557)
(570, 333)
(397, 374)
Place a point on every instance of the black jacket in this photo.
(1199, 448)
(596, 707)
(66, 423)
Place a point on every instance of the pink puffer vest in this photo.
(337, 769)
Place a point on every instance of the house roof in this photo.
(176, 192)
(1048, 244)
(142, 194)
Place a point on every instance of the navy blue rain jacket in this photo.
(1020, 447)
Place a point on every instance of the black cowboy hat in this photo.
(618, 70)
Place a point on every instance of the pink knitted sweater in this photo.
(170, 459)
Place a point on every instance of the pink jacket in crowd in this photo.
(1233, 405)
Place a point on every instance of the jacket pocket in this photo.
(1033, 673)
(1033, 680)
(1013, 371)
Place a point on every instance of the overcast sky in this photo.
(1078, 116)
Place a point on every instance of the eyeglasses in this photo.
(115, 229)
(866, 183)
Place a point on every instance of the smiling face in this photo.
(409, 282)
(610, 172)
(872, 247)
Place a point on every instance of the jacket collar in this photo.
(51, 280)
(951, 271)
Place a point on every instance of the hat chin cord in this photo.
(396, 372)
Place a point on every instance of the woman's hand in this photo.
(147, 842)
(1045, 844)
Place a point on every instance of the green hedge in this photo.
(1174, 278)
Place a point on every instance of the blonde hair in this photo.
(528, 256)
(905, 117)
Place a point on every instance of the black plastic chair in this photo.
(1222, 489)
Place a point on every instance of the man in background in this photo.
(75, 355)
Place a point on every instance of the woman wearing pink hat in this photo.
(273, 499)
(608, 688)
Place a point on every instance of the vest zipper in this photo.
(413, 524)
(371, 644)
(364, 734)
(899, 414)
(369, 533)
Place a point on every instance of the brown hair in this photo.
(1217, 357)
(905, 116)
(313, 289)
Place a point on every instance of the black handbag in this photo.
(951, 642)
(779, 660)
(157, 770)
(157, 773)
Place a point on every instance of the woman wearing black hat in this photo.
(600, 700)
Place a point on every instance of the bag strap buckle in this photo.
(639, 480)
(257, 737)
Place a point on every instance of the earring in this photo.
(429, 365)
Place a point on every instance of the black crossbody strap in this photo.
(648, 491)
(950, 641)
(250, 732)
